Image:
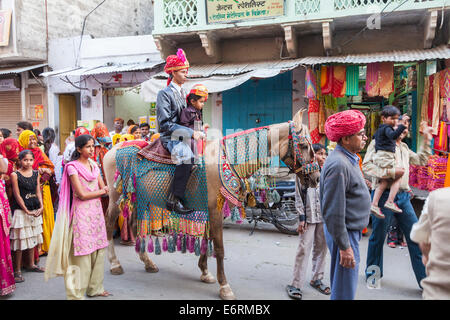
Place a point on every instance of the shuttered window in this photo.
(10, 109)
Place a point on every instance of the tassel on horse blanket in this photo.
(183, 244)
(150, 245)
(179, 242)
(142, 249)
(171, 245)
(197, 247)
(210, 248)
(190, 244)
(157, 247)
(204, 246)
(138, 245)
(165, 247)
(235, 216)
(226, 209)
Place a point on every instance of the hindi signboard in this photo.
(224, 11)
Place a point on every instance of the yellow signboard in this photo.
(235, 10)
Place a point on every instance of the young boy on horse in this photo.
(169, 104)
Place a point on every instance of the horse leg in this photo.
(225, 290)
(112, 216)
(206, 276)
(150, 266)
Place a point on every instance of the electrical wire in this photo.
(82, 30)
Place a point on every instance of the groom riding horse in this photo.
(169, 104)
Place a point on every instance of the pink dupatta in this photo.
(57, 263)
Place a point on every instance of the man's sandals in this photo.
(320, 287)
(294, 293)
(18, 277)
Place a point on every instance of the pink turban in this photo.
(344, 124)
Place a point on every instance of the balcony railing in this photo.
(175, 16)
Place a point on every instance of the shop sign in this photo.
(8, 85)
(225, 11)
(5, 26)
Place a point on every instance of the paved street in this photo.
(258, 267)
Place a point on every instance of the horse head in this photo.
(300, 152)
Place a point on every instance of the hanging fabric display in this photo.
(326, 79)
(338, 89)
(424, 111)
(440, 142)
(386, 78)
(446, 84)
(372, 77)
(430, 100)
(313, 117)
(310, 84)
(436, 105)
(352, 81)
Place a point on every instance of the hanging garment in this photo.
(436, 105)
(372, 79)
(338, 89)
(440, 142)
(326, 79)
(386, 78)
(322, 118)
(446, 83)
(313, 118)
(424, 110)
(352, 81)
(430, 100)
(310, 84)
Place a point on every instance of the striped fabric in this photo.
(352, 75)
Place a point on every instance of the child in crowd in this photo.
(77, 250)
(385, 140)
(191, 116)
(27, 206)
(311, 233)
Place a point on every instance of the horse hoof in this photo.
(152, 269)
(208, 278)
(226, 293)
(117, 271)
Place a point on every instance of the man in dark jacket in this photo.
(174, 137)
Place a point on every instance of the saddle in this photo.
(155, 151)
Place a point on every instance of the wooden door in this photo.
(67, 117)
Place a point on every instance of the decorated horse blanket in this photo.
(144, 188)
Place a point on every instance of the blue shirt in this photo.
(354, 159)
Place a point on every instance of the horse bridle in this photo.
(295, 155)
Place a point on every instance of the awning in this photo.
(225, 76)
(441, 52)
(218, 77)
(108, 68)
(21, 69)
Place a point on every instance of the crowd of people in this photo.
(37, 181)
(33, 185)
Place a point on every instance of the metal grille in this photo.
(307, 6)
(180, 13)
(350, 4)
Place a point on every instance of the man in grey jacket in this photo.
(345, 201)
(174, 137)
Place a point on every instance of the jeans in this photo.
(343, 281)
(406, 219)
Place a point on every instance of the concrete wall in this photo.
(65, 18)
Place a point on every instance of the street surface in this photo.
(258, 267)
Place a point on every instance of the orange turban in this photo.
(345, 123)
(199, 90)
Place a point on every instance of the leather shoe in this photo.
(175, 204)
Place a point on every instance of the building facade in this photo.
(231, 38)
(29, 26)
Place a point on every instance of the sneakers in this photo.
(393, 207)
(376, 211)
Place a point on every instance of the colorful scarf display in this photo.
(352, 81)
(372, 79)
(313, 118)
(424, 109)
(310, 84)
(326, 79)
(339, 78)
(386, 79)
